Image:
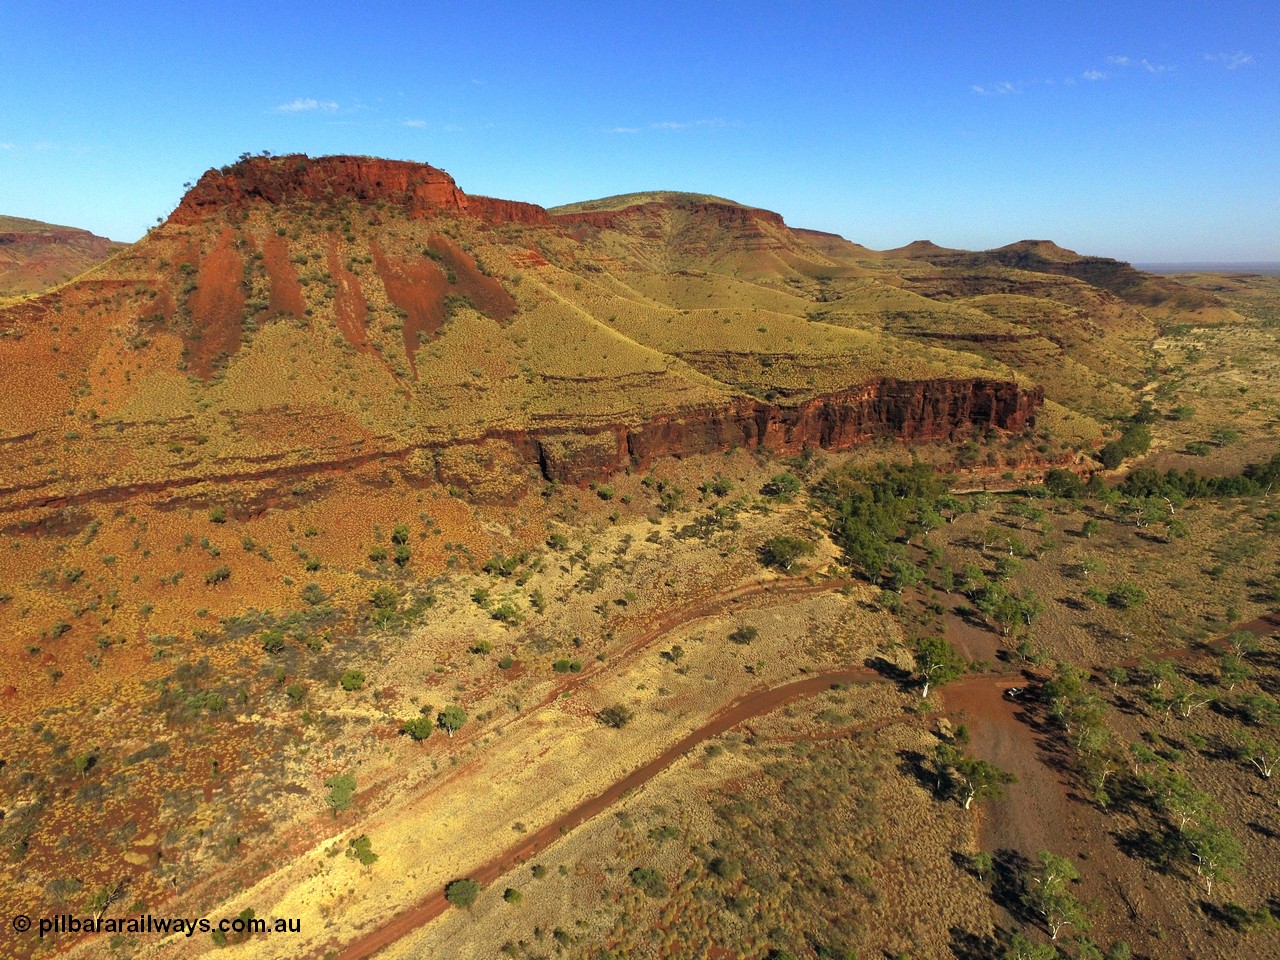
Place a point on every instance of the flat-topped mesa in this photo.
(725, 213)
(418, 188)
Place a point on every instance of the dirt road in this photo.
(1001, 734)
(751, 705)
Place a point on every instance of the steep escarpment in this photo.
(916, 411)
(417, 188)
(911, 411)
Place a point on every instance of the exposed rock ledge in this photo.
(909, 410)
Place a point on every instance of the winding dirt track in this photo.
(744, 708)
(981, 694)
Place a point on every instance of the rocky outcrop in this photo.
(909, 410)
(418, 188)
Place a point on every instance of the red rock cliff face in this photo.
(907, 410)
(417, 187)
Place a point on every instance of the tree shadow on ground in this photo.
(1010, 866)
(966, 945)
(1158, 847)
(914, 764)
(889, 670)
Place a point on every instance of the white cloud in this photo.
(6, 146)
(1142, 62)
(685, 125)
(1003, 87)
(1093, 75)
(1231, 60)
(624, 129)
(306, 105)
(415, 123)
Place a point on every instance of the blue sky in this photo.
(1143, 130)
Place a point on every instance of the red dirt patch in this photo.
(286, 293)
(217, 308)
(489, 296)
(351, 312)
(417, 288)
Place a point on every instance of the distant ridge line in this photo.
(1271, 267)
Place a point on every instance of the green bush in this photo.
(342, 788)
(462, 893)
(451, 719)
(783, 487)
(649, 881)
(617, 716)
(1125, 596)
(419, 728)
(1134, 442)
(361, 848)
(351, 680)
(782, 552)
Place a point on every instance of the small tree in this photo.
(1243, 643)
(83, 762)
(969, 778)
(782, 552)
(617, 716)
(361, 848)
(1125, 596)
(273, 641)
(1263, 755)
(1189, 698)
(1232, 670)
(462, 893)
(1216, 853)
(104, 897)
(936, 663)
(342, 788)
(783, 487)
(1182, 803)
(419, 728)
(1021, 947)
(1045, 893)
(451, 719)
(650, 881)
